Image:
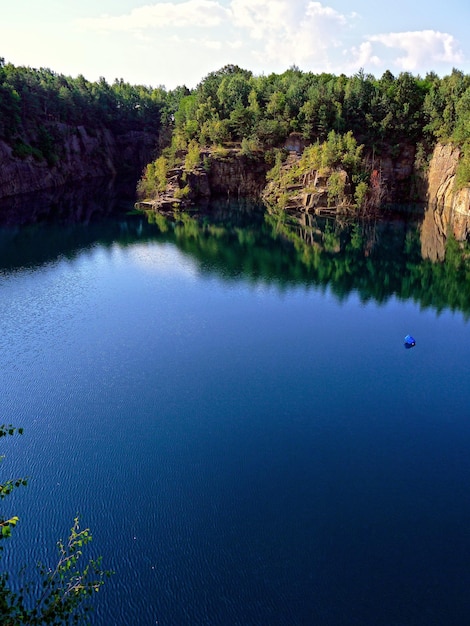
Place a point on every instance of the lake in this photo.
(228, 404)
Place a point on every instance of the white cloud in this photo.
(201, 13)
(211, 44)
(421, 48)
(279, 31)
(271, 35)
(363, 56)
(291, 31)
(260, 17)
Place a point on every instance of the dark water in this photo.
(231, 409)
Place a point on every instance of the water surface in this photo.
(231, 409)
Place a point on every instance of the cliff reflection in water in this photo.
(438, 224)
(68, 204)
(408, 259)
(376, 259)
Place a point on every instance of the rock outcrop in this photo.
(221, 173)
(81, 155)
(236, 174)
(448, 209)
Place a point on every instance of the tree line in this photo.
(35, 102)
(371, 117)
(234, 105)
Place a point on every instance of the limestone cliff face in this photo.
(81, 155)
(448, 210)
(237, 175)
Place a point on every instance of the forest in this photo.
(344, 122)
(35, 102)
(234, 105)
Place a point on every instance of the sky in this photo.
(179, 42)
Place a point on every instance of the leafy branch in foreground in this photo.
(7, 487)
(61, 595)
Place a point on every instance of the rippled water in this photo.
(246, 450)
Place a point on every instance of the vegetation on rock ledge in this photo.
(379, 120)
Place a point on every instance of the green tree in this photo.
(193, 157)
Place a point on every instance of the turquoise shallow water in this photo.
(250, 443)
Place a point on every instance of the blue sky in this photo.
(175, 42)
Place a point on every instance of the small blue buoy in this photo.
(409, 341)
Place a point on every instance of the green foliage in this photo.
(220, 151)
(182, 192)
(9, 430)
(248, 147)
(159, 220)
(338, 157)
(193, 156)
(22, 150)
(336, 185)
(185, 118)
(154, 179)
(461, 136)
(341, 150)
(274, 173)
(376, 259)
(232, 104)
(441, 105)
(356, 237)
(206, 164)
(33, 104)
(218, 131)
(462, 177)
(270, 132)
(360, 194)
(461, 131)
(377, 112)
(312, 158)
(6, 487)
(46, 145)
(63, 595)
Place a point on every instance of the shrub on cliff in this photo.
(154, 179)
(193, 156)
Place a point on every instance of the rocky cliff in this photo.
(225, 172)
(85, 155)
(237, 175)
(81, 155)
(392, 181)
(448, 209)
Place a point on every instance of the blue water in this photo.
(246, 451)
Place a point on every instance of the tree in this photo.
(62, 594)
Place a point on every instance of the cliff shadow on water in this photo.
(76, 203)
(38, 228)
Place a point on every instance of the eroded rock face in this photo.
(441, 174)
(237, 175)
(82, 155)
(448, 210)
(461, 214)
(396, 175)
(230, 175)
